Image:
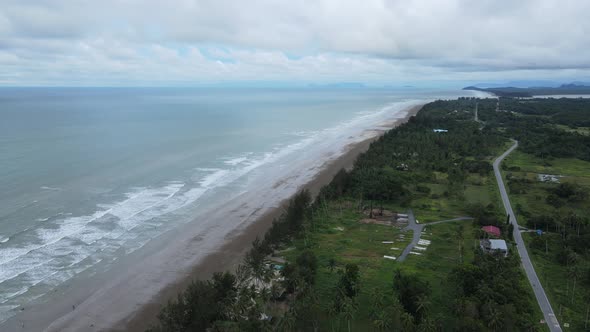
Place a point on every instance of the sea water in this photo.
(88, 175)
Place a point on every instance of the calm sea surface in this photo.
(88, 175)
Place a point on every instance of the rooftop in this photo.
(492, 230)
(498, 245)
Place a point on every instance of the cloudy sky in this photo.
(191, 42)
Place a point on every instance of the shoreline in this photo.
(238, 245)
(103, 303)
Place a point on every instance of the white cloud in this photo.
(192, 41)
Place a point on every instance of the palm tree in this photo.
(312, 296)
(587, 314)
(494, 317)
(459, 234)
(573, 273)
(265, 297)
(332, 264)
(267, 326)
(394, 315)
(288, 321)
(242, 304)
(427, 325)
(348, 309)
(407, 321)
(382, 322)
(332, 311)
(378, 299)
(572, 257)
(242, 275)
(423, 304)
(254, 262)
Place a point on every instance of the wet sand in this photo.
(163, 268)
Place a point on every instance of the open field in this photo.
(570, 305)
(579, 130)
(341, 237)
(338, 235)
(569, 167)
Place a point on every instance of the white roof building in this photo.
(491, 246)
(498, 245)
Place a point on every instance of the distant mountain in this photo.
(581, 83)
(519, 84)
(339, 85)
(510, 91)
(575, 85)
(504, 91)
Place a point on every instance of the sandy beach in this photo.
(129, 295)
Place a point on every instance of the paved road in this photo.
(417, 229)
(544, 304)
(476, 117)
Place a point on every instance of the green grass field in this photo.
(337, 234)
(579, 130)
(340, 236)
(568, 167)
(570, 306)
(573, 170)
(437, 261)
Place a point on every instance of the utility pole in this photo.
(587, 312)
(574, 290)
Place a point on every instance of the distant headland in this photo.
(574, 88)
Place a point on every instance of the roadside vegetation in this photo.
(549, 184)
(330, 263)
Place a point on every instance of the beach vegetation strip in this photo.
(341, 270)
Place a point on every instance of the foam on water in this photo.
(236, 161)
(75, 240)
(61, 246)
(50, 188)
(142, 204)
(72, 240)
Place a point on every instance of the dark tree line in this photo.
(409, 155)
(231, 301)
(533, 122)
(490, 295)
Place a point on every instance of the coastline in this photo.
(103, 305)
(231, 253)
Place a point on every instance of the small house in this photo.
(492, 230)
(494, 246)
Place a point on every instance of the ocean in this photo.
(90, 175)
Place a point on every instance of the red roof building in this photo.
(492, 230)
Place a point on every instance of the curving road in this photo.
(417, 232)
(542, 299)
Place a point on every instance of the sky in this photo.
(199, 42)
